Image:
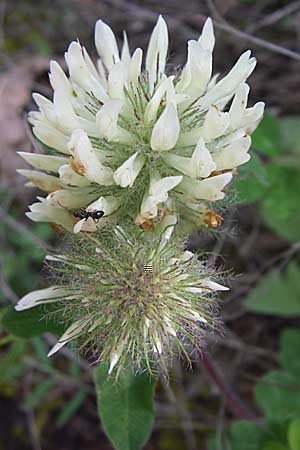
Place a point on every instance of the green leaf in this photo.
(70, 408)
(246, 435)
(277, 293)
(280, 207)
(126, 408)
(290, 133)
(290, 351)
(30, 322)
(278, 394)
(293, 434)
(252, 180)
(267, 137)
(273, 445)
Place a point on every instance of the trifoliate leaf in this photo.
(267, 138)
(277, 293)
(278, 395)
(280, 207)
(290, 351)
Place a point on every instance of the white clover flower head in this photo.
(140, 137)
(130, 299)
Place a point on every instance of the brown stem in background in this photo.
(233, 402)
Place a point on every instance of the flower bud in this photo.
(166, 131)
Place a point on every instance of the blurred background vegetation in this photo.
(50, 404)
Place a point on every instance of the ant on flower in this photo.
(82, 213)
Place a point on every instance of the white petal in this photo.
(106, 44)
(72, 332)
(233, 155)
(50, 136)
(166, 131)
(65, 115)
(153, 105)
(125, 52)
(42, 212)
(239, 105)
(134, 68)
(158, 193)
(78, 225)
(215, 124)
(66, 260)
(116, 80)
(157, 52)
(80, 73)
(107, 204)
(107, 118)
(214, 286)
(115, 356)
(70, 199)
(40, 296)
(207, 38)
(196, 74)
(228, 85)
(43, 181)
(44, 162)
(252, 117)
(126, 174)
(58, 78)
(107, 123)
(71, 178)
(199, 165)
(85, 157)
(207, 189)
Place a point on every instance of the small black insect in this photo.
(82, 213)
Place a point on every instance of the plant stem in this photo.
(233, 402)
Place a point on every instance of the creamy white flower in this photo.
(50, 163)
(215, 124)
(49, 135)
(116, 80)
(227, 86)
(188, 122)
(135, 66)
(158, 193)
(166, 131)
(42, 180)
(126, 174)
(106, 204)
(197, 72)
(157, 52)
(80, 73)
(207, 37)
(71, 178)
(43, 212)
(153, 105)
(70, 199)
(106, 44)
(86, 160)
(199, 165)
(58, 79)
(233, 155)
(207, 189)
